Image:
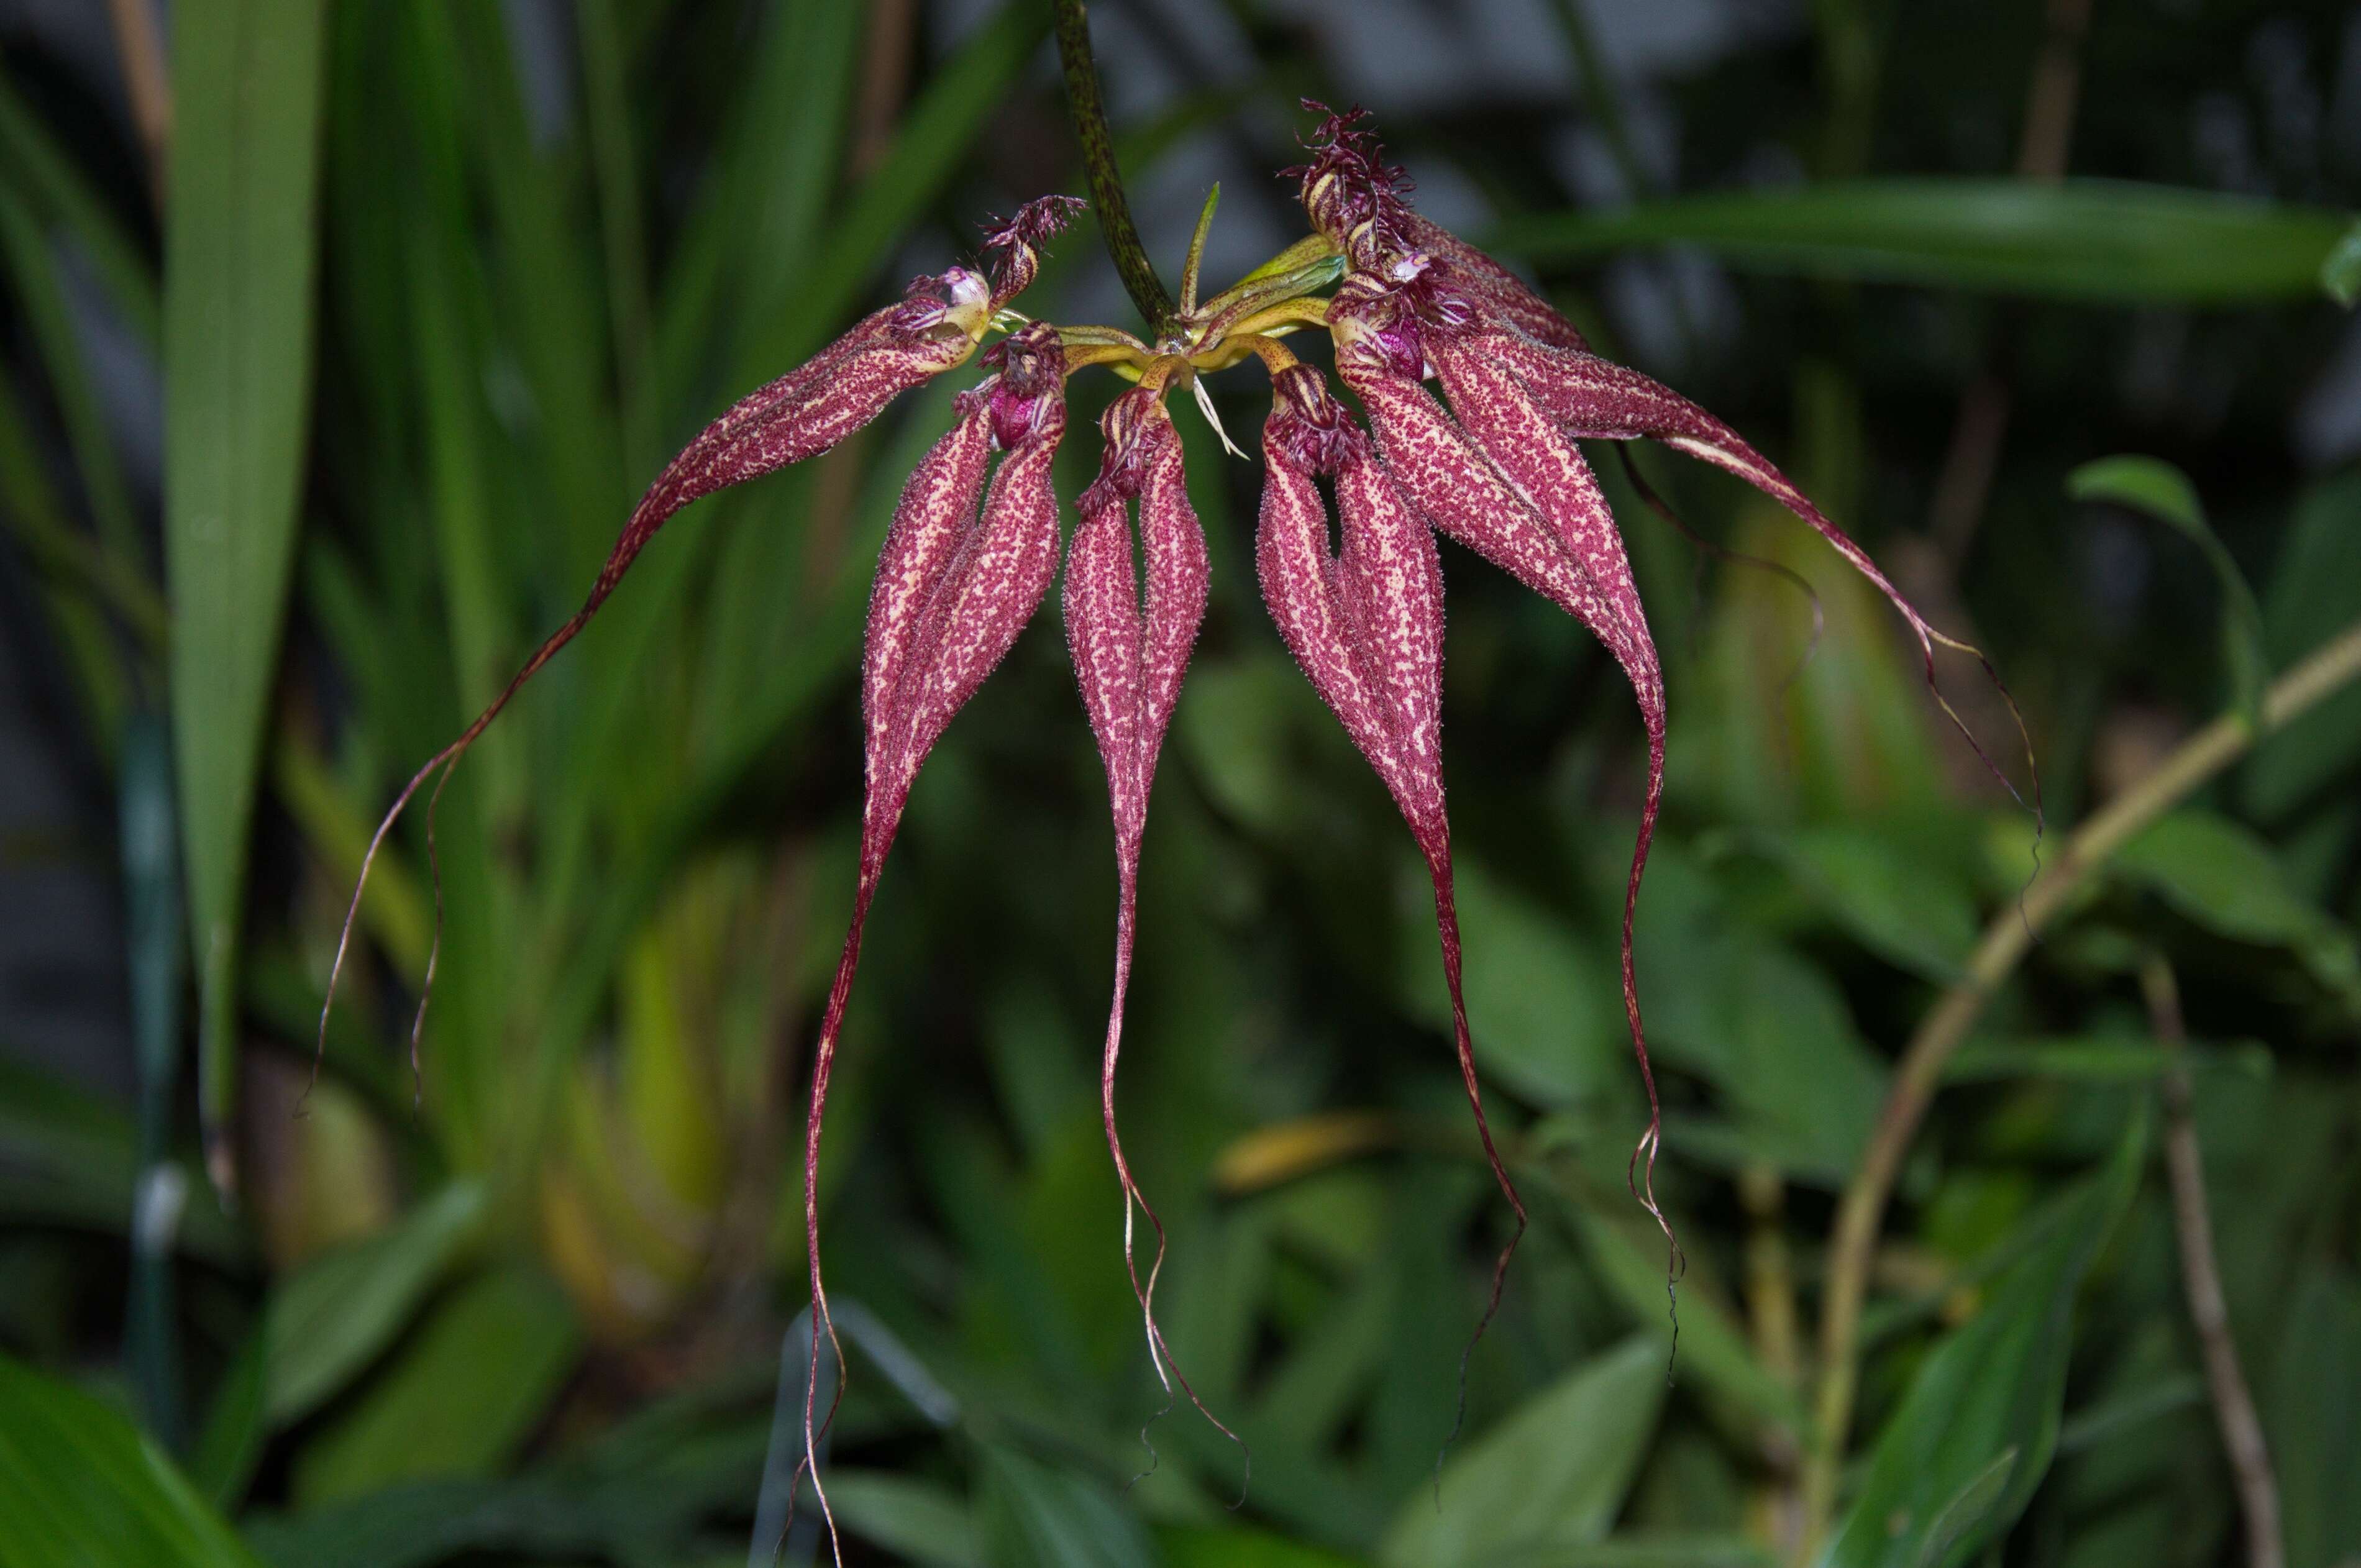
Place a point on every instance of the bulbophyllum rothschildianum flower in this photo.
(1493, 462)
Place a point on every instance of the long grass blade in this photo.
(240, 250)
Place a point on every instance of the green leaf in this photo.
(1889, 894)
(938, 134)
(2156, 488)
(239, 253)
(2226, 879)
(1714, 1351)
(2313, 1420)
(479, 1379)
(154, 950)
(229, 1444)
(1993, 1388)
(60, 196)
(1197, 1546)
(29, 263)
(79, 1487)
(1650, 1550)
(1777, 1037)
(1969, 1508)
(1037, 1517)
(340, 1311)
(2314, 592)
(67, 1157)
(914, 1519)
(2098, 240)
(2092, 1059)
(1551, 1474)
(1541, 1013)
(2339, 274)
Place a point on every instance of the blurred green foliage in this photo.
(527, 1305)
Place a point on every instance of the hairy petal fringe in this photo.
(951, 596)
(1130, 650)
(1365, 624)
(1501, 480)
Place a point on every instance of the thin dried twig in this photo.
(2201, 1276)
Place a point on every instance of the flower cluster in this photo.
(1492, 462)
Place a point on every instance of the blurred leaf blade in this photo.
(340, 1309)
(1036, 1515)
(61, 195)
(2340, 275)
(479, 1375)
(1551, 1476)
(2156, 488)
(240, 251)
(2099, 241)
(2225, 877)
(937, 134)
(78, 1485)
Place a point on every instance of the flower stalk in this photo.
(1102, 174)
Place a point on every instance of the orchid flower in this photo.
(1493, 462)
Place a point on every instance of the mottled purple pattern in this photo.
(812, 408)
(1015, 246)
(1549, 474)
(1130, 650)
(1546, 526)
(1590, 397)
(1453, 484)
(1497, 293)
(1504, 477)
(952, 594)
(1366, 623)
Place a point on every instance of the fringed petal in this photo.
(1511, 488)
(1365, 624)
(952, 596)
(1497, 293)
(1130, 650)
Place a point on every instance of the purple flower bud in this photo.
(1352, 195)
(1358, 202)
(1016, 244)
